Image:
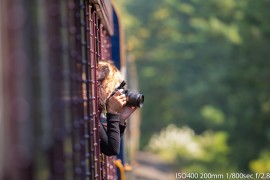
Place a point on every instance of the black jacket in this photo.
(110, 136)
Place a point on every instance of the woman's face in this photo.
(112, 79)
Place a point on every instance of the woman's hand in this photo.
(128, 110)
(116, 103)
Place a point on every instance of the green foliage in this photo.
(183, 147)
(262, 164)
(204, 64)
(212, 114)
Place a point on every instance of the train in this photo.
(49, 50)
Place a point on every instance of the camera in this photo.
(133, 99)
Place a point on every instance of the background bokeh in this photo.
(204, 67)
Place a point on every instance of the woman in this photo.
(111, 107)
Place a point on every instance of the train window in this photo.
(58, 85)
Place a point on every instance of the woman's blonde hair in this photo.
(109, 77)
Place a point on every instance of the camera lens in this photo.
(140, 100)
(135, 99)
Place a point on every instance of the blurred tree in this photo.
(200, 60)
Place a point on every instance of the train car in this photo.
(49, 50)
